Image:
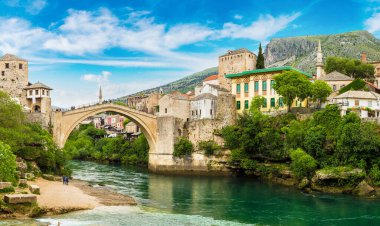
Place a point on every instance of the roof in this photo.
(335, 76)
(210, 78)
(358, 95)
(204, 96)
(38, 85)
(233, 52)
(11, 57)
(266, 70)
(217, 87)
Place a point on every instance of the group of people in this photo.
(65, 180)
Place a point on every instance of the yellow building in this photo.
(259, 82)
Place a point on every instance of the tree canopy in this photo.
(291, 85)
(351, 67)
(260, 59)
(319, 91)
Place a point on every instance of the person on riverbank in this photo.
(63, 179)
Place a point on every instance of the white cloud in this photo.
(32, 7)
(35, 6)
(238, 17)
(372, 24)
(261, 29)
(102, 78)
(20, 36)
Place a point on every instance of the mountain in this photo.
(185, 84)
(300, 52)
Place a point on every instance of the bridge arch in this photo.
(65, 122)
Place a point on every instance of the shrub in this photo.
(7, 163)
(302, 164)
(374, 174)
(183, 147)
(7, 190)
(209, 147)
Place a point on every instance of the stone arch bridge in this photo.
(64, 122)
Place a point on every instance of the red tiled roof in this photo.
(210, 78)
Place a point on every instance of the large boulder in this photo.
(22, 183)
(337, 179)
(34, 189)
(5, 185)
(20, 198)
(363, 189)
(21, 165)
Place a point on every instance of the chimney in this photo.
(364, 57)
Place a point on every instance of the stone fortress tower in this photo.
(319, 64)
(14, 77)
(234, 62)
(34, 98)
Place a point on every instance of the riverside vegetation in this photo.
(89, 143)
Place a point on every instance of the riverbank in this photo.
(56, 198)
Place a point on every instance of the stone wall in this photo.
(13, 80)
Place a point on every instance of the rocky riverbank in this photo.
(333, 180)
(56, 198)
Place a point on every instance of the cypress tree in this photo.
(260, 59)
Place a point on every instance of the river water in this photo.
(191, 200)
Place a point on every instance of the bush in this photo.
(183, 147)
(7, 190)
(209, 147)
(7, 163)
(303, 164)
(374, 174)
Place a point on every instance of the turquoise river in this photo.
(200, 200)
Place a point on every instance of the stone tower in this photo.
(233, 62)
(100, 95)
(320, 66)
(14, 77)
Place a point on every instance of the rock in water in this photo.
(363, 189)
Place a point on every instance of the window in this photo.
(356, 102)
(281, 102)
(256, 86)
(192, 112)
(272, 102)
(3, 73)
(246, 104)
(334, 88)
(47, 94)
(196, 112)
(246, 88)
(166, 110)
(265, 103)
(238, 105)
(6, 65)
(200, 112)
(264, 85)
(237, 88)
(30, 92)
(20, 66)
(271, 84)
(210, 111)
(369, 103)
(36, 92)
(43, 92)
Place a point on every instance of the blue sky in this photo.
(125, 46)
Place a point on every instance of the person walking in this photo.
(63, 179)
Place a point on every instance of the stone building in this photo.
(376, 65)
(34, 98)
(14, 77)
(336, 80)
(248, 84)
(146, 103)
(234, 62)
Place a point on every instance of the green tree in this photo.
(260, 59)
(183, 147)
(7, 163)
(303, 165)
(292, 85)
(319, 91)
(351, 67)
(256, 104)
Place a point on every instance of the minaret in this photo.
(320, 66)
(100, 95)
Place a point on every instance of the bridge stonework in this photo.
(65, 122)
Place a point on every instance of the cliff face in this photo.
(300, 52)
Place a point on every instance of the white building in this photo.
(366, 104)
(203, 104)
